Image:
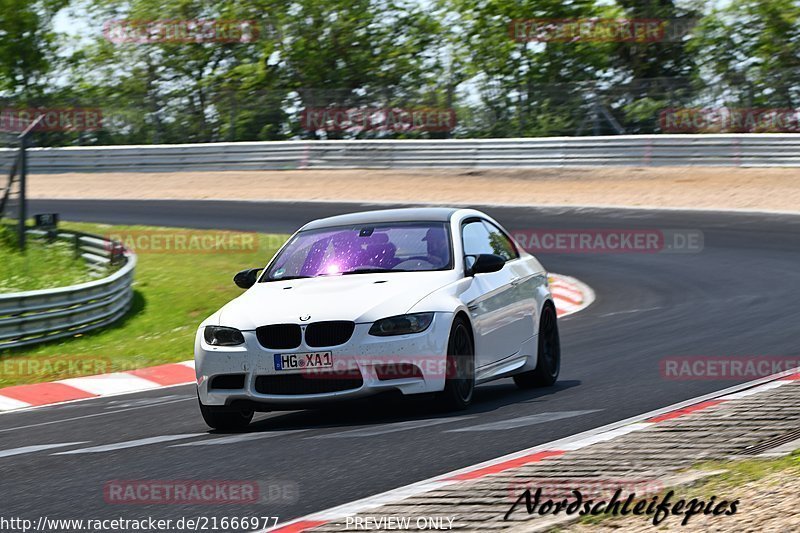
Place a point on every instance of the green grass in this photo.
(739, 472)
(173, 293)
(42, 266)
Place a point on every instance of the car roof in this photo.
(408, 214)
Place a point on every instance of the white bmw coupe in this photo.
(421, 300)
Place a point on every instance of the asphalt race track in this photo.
(737, 297)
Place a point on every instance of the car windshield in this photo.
(386, 247)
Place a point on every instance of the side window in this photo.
(501, 245)
(476, 239)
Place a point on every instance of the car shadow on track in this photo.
(391, 409)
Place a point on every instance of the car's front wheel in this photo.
(225, 418)
(548, 361)
(460, 367)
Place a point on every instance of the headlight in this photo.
(222, 336)
(401, 325)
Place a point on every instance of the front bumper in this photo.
(363, 353)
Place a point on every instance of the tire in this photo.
(460, 381)
(548, 358)
(225, 418)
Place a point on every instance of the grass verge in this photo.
(42, 266)
(182, 276)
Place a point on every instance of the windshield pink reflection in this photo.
(397, 248)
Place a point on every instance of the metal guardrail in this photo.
(756, 150)
(36, 316)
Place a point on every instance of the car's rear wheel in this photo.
(225, 418)
(548, 361)
(460, 381)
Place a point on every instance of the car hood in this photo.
(359, 297)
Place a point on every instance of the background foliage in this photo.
(390, 54)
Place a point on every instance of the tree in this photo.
(520, 78)
(27, 44)
(749, 53)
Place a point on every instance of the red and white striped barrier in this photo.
(84, 388)
(570, 295)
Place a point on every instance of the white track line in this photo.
(36, 448)
(394, 427)
(523, 421)
(233, 439)
(131, 444)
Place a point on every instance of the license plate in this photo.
(301, 361)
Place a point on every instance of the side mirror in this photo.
(486, 263)
(246, 278)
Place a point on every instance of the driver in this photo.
(438, 247)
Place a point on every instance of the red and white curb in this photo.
(85, 388)
(570, 296)
(539, 453)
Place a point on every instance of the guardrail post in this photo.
(117, 254)
(23, 171)
(23, 175)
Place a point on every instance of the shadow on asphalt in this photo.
(390, 409)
